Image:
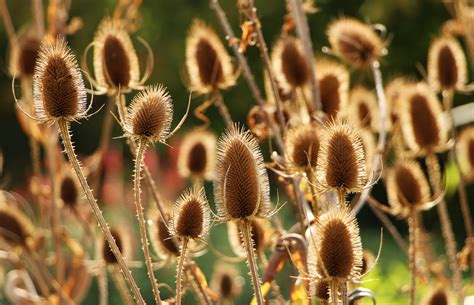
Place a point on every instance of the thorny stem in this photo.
(413, 228)
(65, 135)
(141, 218)
(7, 21)
(434, 174)
(333, 288)
(121, 286)
(245, 229)
(179, 272)
(345, 299)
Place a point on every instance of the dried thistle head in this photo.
(260, 230)
(465, 152)
(423, 125)
(363, 109)
(447, 66)
(289, 64)
(58, 87)
(191, 217)
(115, 59)
(70, 191)
(197, 155)
(333, 81)
(226, 281)
(341, 160)
(208, 64)
(407, 188)
(437, 296)
(23, 58)
(150, 114)
(302, 146)
(161, 238)
(355, 42)
(123, 241)
(15, 227)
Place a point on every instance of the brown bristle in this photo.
(226, 286)
(69, 192)
(342, 165)
(28, 54)
(408, 187)
(302, 144)
(363, 108)
(210, 70)
(333, 81)
(196, 156)
(424, 123)
(257, 236)
(322, 291)
(226, 281)
(164, 238)
(116, 62)
(448, 75)
(294, 65)
(15, 228)
(190, 220)
(330, 99)
(107, 254)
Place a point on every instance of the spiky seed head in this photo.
(197, 155)
(191, 215)
(320, 290)
(122, 239)
(115, 59)
(150, 113)
(302, 146)
(437, 296)
(333, 81)
(58, 87)
(393, 92)
(69, 191)
(368, 260)
(341, 160)
(259, 228)
(241, 188)
(226, 281)
(363, 109)
(15, 227)
(208, 64)
(407, 187)
(423, 125)
(355, 42)
(447, 66)
(465, 152)
(23, 58)
(161, 238)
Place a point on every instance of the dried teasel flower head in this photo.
(368, 261)
(191, 219)
(407, 188)
(161, 238)
(333, 79)
(124, 244)
(70, 191)
(393, 92)
(208, 64)
(241, 188)
(15, 227)
(465, 152)
(423, 125)
(289, 64)
(58, 87)
(447, 66)
(320, 290)
(23, 58)
(226, 281)
(115, 59)
(260, 230)
(149, 114)
(341, 160)
(197, 155)
(337, 239)
(302, 146)
(437, 296)
(362, 111)
(355, 42)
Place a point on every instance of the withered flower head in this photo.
(23, 58)
(447, 67)
(241, 189)
(197, 155)
(423, 125)
(260, 230)
(191, 215)
(226, 281)
(70, 191)
(150, 113)
(289, 64)
(302, 146)
(115, 59)
(333, 81)
(363, 109)
(437, 296)
(341, 160)
(15, 227)
(465, 152)
(160, 237)
(58, 88)
(355, 42)
(208, 64)
(123, 241)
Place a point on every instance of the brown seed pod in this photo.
(341, 160)
(69, 191)
(208, 64)
(260, 237)
(226, 281)
(150, 113)
(355, 42)
(465, 152)
(333, 81)
(437, 296)
(115, 59)
(15, 227)
(302, 146)
(241, 188)
(58, 88)
(160, 237)
(123, 241)
(447, 66)
(363, 109)
(197, 155)
(23, 58)
(423, 125)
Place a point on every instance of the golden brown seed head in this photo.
(333, 81)
(260, 230)
(321, 291)
(465, 152)
(197, 154)
(368, 260)
(69, 191)
(160, 237)
(393, 92)
(122, 244)
(191, 215)
(437, 296)
(363, 109)
(241, 187)
(226, 281)
(15, 227)
(58, 88)
(23, 58)
(302, 146)
(355, 42)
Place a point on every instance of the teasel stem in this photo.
(103, 286)
(121, 286)
(344, 288)
(140, 155)
(66, 136)
(246, 233)
(179, 272)
(434, 174)
(39, 16)
(223, 110)
(334, 287)
(7, 21)
(413, 232)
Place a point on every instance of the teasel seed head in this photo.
(407, 187)
(368, 142)
(150, 114)
(333, 81)
(23, 58)
(341, 160)
(355, 42)
(15, 227)
(115, 59)
(437, 296)
(363, 109)
(447, 66)
(208, 64)
(191, 217)
(70, 191)
(302, 146)
(58, 87)
(241, 188)
(226, 281)
(123, 241)
(465, 152)
(368, 261)
(423, 125)
(161, 238)
(289, 63)
(260, 230)
(320, 290)
(393, 91)
(197, 155)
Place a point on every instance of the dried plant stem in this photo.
(65, 135)
(121, 286)
(345, 299)
(179, 272)
(434, 174)
(7, 21)
(334, 287)
(103, 286)
(39, 16)
(413, 232)
(246, 234)
(223, 110)
(141, 218)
